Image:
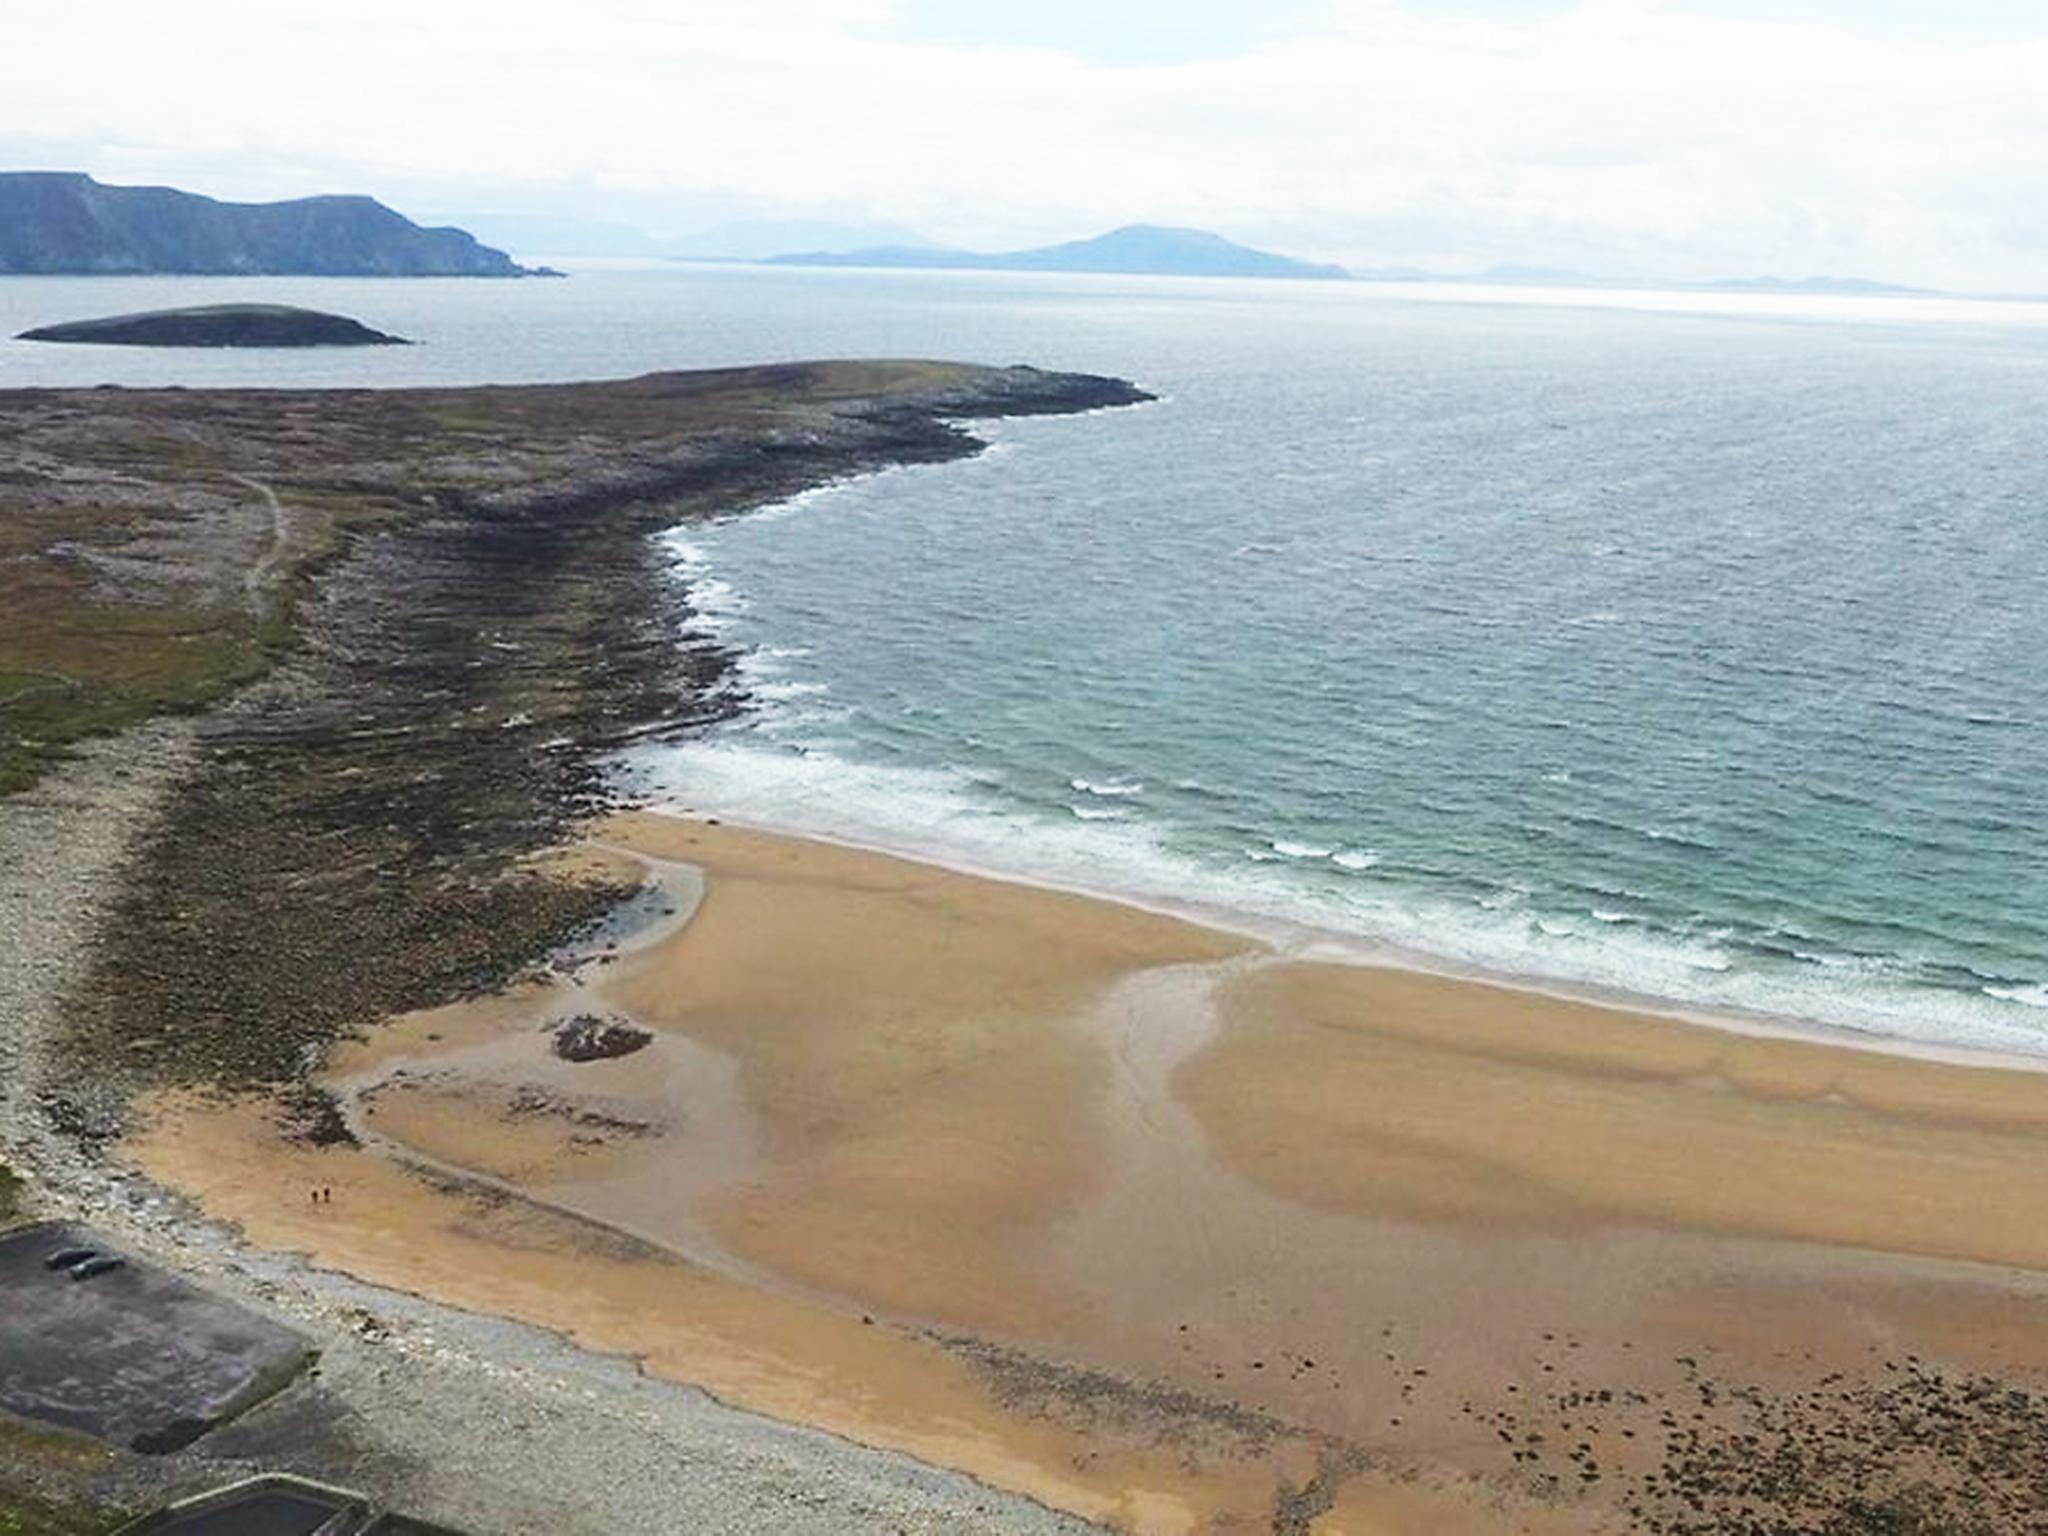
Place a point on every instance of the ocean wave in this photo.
(1112, 788)
(788, 688)
(716, 603)
(1098, 813)
(687, 555)
(1354, 858)
(1288, 848)
(2026, 996)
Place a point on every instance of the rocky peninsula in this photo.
(219, 325)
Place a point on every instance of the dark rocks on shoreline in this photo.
(220, 325)
(590, 1037)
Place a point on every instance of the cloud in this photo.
(1625, 134)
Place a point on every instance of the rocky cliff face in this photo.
(56, 221)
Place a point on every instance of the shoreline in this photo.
(1309, 941)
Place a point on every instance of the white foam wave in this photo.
(1288, 848)
(792, 688)
(688, 556)
(2029, 997)
(1112, 788)
(1354, 858)
(771, 660)
(1097, 813)
(716, 602)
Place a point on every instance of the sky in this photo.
(1895, 139)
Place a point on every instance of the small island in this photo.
(220, 325)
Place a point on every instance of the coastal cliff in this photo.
(66, 222)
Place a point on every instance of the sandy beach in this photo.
(1166, 1228)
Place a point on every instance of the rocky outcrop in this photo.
(61, 221)
(590, 1037)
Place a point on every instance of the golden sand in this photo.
(1142, 1218)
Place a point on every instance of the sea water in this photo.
(1690, 647)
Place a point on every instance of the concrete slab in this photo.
(279, 1511)
(278, 1504)
(136, 1355)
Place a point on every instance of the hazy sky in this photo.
(1895, 138)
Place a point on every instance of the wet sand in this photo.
(1158, 1225)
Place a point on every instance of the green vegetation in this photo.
(55, 1501)
(105, 668)
(114, 616)
(25, 1515)
(113, 613)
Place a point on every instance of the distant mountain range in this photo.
(65, 222)
(1155, 250)
(1846, 286)
(1148, 249)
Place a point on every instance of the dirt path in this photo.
(257, 582)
